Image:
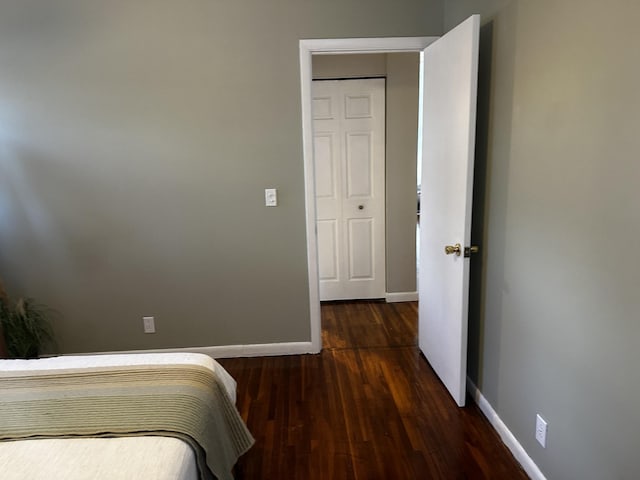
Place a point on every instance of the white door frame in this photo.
(332, 47)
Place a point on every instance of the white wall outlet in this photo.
(271, 197)
(541, 431)
(149, 324)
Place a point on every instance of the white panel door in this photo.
(448, 134)
(349, 157)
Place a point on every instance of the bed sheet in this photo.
(127, 458)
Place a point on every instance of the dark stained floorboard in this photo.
(368, 407)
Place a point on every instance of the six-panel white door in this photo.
(349, 159)
(450, 76)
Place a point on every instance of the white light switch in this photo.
(270, 197)
(149, 324)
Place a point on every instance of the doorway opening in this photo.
(309, 49)
(372, 97)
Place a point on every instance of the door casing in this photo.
(331, 47)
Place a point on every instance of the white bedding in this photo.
(125, 458)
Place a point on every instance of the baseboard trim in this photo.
(394, 297)
(232, 351)
(507, 437)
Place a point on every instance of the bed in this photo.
(157, 416)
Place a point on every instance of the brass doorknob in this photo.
(449, 249)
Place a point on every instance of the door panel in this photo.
(450, 72)
(322, 108)
(328, 250)
(360, 248)
(359, 165)
(349, 144)
(358, 106)
(326, 187)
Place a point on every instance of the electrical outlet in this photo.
(149, 324)
(541, 431)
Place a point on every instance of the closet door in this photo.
(349, 158)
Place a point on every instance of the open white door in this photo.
(450, 78)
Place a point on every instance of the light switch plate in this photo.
(149, 324)
(271, 197)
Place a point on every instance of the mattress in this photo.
(152, 457)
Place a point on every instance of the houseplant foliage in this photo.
(25, 325)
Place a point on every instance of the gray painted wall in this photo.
(136, 139)
(347, 66)
(402, 73)
(402, 140)
(555, 324)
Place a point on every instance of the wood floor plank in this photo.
(368, 406)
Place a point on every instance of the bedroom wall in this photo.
(402, 74)
(556, 328)
(136, 140)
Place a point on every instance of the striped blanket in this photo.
(183, 401)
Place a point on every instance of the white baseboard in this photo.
(507, 437)
(393, 297)
(233, 351)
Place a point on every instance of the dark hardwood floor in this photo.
(368, 407)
